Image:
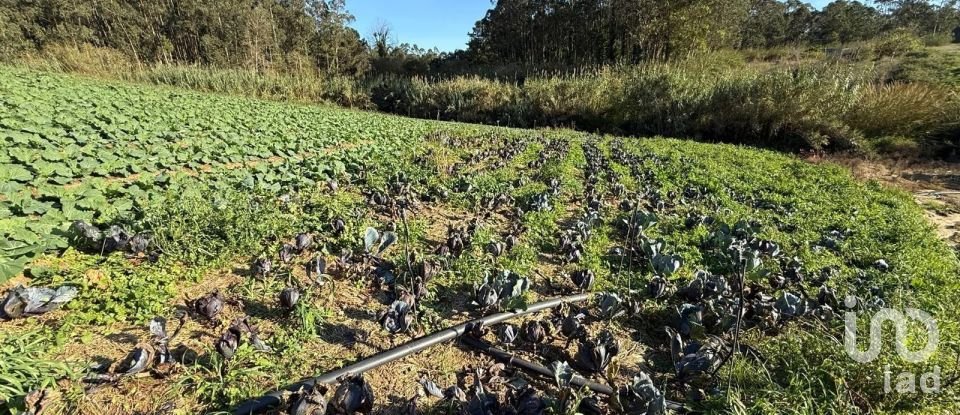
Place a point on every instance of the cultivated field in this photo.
(282, 241)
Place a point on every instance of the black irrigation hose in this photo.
(512, 360)
(577, 380)
(275, 398)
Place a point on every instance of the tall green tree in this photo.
(254, 34)
(846, 21)
(337, 47)
(766, 25)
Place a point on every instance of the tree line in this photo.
(532, 34)
(595, 32)
(253, 34)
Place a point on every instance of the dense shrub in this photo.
(594, 102)
(783, 54)
(784, 109)
(897, 43)
(939, 39)
(467, 99)
(671, 100)
(895, 145)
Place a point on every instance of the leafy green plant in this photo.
(26, 364)
(215, 380)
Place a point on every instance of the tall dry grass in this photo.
(300, 87)
(807, 104)
(83, 58)
(786, 108)
(799, 108)
(290, 84)
(901, 109)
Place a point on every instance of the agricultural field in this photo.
(164, 251)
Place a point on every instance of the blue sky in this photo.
(444, 24)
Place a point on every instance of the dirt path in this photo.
(935, 186)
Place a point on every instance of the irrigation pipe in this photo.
(275, 398)
(577, 380)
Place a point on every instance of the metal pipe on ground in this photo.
(275, 398)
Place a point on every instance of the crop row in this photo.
(78, 151)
